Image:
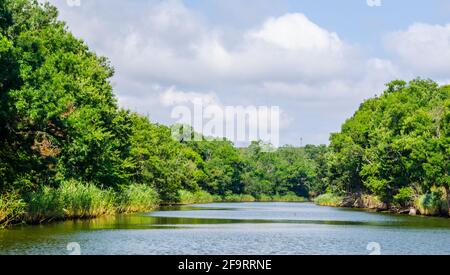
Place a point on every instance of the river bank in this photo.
(235, 228)
(425, 205)
(76, 201)
(73, 200)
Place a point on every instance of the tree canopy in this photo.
(395, 144)
(60, 122)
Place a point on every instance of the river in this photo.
(236, 228)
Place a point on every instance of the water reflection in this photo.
(242, 228)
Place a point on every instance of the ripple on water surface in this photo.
(236, 228)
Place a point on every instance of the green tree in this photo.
(396, 141)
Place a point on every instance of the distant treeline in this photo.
(68, 151)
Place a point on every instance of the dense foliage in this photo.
(67, 150)
(287, 170)
(396, 146)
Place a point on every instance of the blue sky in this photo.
(315, 59)
(354, 20)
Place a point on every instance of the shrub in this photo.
(186, 197)
(43, 205)
(289, 197)
(328, 199)
(71, 200)
(433, 203)
(217, 198)
(203, 197)
(137, 197)
(371, 202)
(263, 198)
(12, 207)
(238, 198)
(405, 196)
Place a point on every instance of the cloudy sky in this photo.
(315, 59)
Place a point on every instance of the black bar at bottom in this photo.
(128, 265)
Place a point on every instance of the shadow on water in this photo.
(175, 219)
(379, 219)
(222, 216)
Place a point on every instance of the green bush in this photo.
(290, 197)
(43, 205)
(370, 202)
(203, 197)
(186, 197)
(137, 197)
(71, 200)
(405, 196)
(12, 207)
(328, 200)
(238, 198)
(263, 198)
(217, 198)
(433, 203)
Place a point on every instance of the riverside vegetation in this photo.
(394, 153)
(67, 151)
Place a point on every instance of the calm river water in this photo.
(236, 228)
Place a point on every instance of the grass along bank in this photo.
(74, 200)
(187, 197)
(351, 201)
(71, 200)
(328, 200)
(12, 208)
(136, 198)
(433, 203)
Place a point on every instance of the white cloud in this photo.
(294, 31)
(166, 54)
(374, 75)
(239, 124)
(171, 45)
(172, 97)
(424, 49)
(168, 44)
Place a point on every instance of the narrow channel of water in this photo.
(236, 228)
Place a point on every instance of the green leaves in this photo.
(394, 141)
(56, 97)
(283, 171)
(59, 121)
